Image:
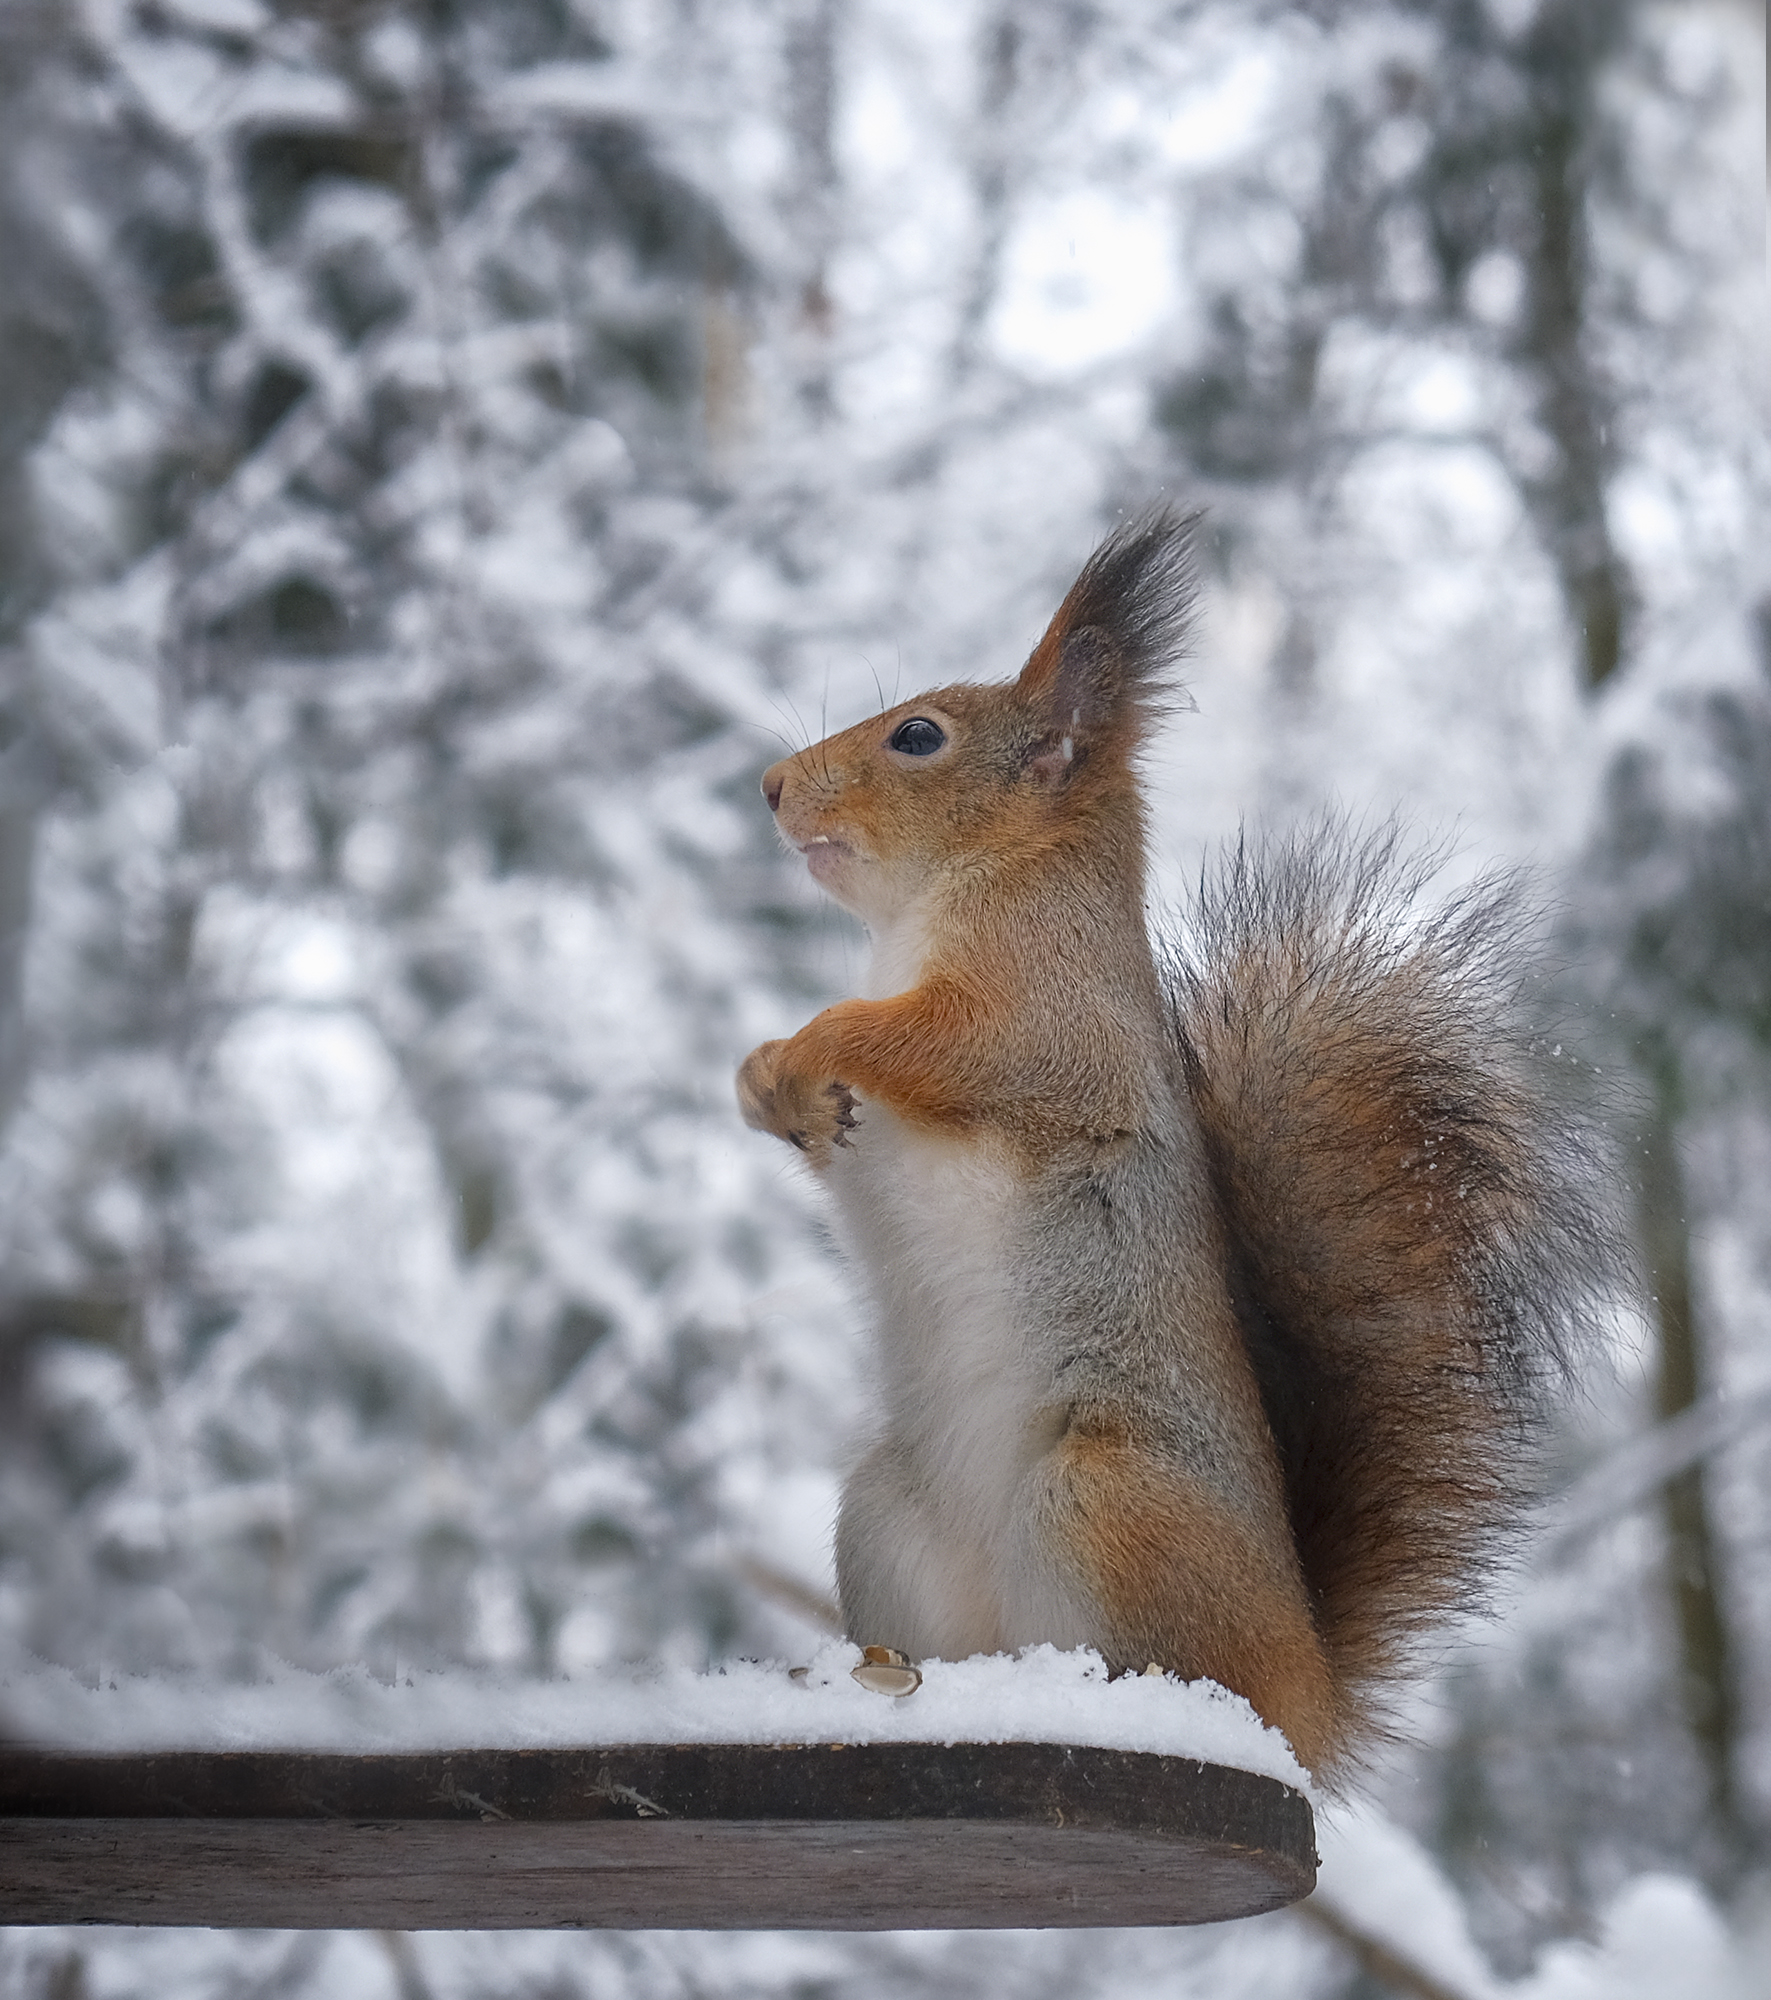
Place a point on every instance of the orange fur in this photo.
(1186, 1585)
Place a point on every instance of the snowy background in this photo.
(447, 450)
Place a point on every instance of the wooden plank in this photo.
(705, 1836)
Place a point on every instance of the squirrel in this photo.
(1213, 1284)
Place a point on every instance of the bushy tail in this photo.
(1414, 1233)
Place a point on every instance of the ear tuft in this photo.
(1107, 662)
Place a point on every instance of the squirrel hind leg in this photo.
(1178, 1580)
(902, 1578)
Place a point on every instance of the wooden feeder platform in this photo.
(723, 1836)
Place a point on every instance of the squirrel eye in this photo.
(919, 737)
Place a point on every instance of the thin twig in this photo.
(1380, 1961)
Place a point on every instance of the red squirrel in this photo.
(1210, 1288)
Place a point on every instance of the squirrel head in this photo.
(981, 780)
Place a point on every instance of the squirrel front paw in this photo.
(811, 1113)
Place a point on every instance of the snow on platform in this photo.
(1041, 1696)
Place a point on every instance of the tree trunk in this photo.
(1563, 56)
(1707, 1682)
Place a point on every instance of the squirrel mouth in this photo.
(824, 854)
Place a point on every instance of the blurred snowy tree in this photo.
(371, 1280)
(1439, 206)
(1680, 891)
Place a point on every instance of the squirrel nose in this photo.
(773, 779)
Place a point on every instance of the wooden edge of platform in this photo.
(733, 1835)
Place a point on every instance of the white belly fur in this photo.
(931, 1221)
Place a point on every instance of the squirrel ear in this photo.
(1079, 701)
(1074, 680)
(1085, 691)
